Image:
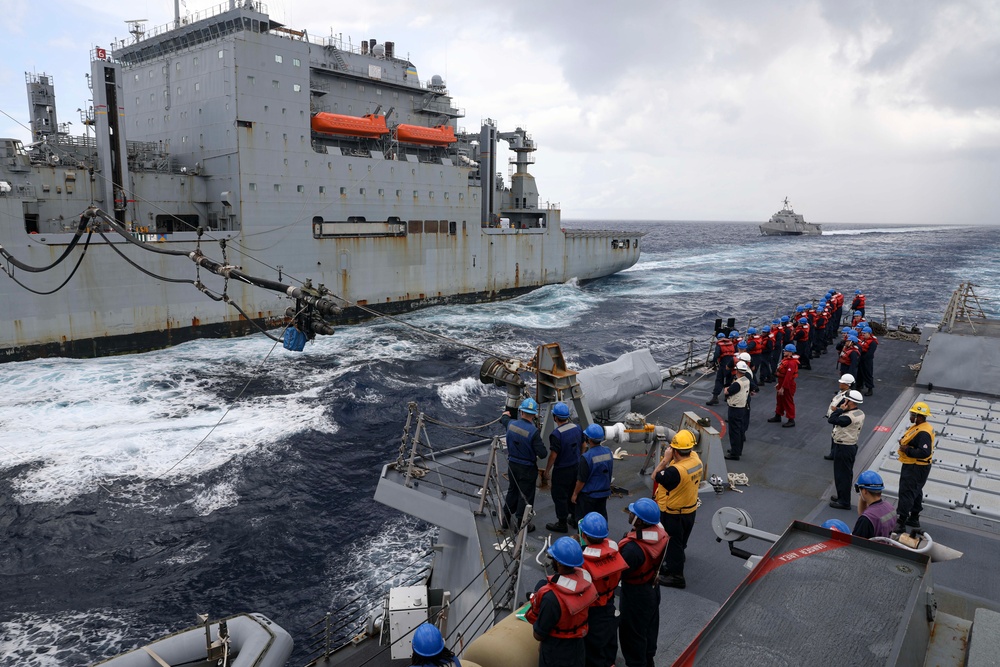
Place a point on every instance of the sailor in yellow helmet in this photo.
(916, 448)
(677, 477)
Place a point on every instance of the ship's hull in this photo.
(167, 336)
(110, 307)
(805, 230)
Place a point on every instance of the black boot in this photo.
(557, 527)
(775, 419)
(788, 424)
(913, 521)
(672, 581)
(713, 401)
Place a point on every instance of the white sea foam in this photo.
(81, 424)
(30, 640)
(463, 393)
(192, 553)
(215, 497)
(395, 556)
(888, 230)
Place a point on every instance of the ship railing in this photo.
(18, 190)
(353, 621)
(194, 17)
(361, 618)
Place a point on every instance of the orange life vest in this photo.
(653, 542)
(845, 354)
(605, 565)
(575, 593)
(726, 347)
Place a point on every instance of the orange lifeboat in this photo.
(370, 125)
(441, 135)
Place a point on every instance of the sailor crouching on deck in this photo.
(605, 564)
(677, 477)
(560, 607)
(642, 548)
(916, 448)
(524, 446)
(877, 516)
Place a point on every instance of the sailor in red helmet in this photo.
(788, 371)
(560, 607)
(642, 548)
(605, 564)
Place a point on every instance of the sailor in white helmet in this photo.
(847, 420)
(846, 381)
(737, 395)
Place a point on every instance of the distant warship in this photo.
(283, 165)
(787, 222)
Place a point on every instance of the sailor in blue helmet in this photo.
(524, 447)
(777, 333)
(802, 345)
(877, 517)
(642, 548)
(565, 443)
(605, 564)
(787, 332)
(593, 481)
(867, 344)
(850, 355)
(429, 648)
(560, 607)
(766, 357)
(837, 525)
(858, 304)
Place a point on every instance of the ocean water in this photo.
(223, 476)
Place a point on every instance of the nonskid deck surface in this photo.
(788, 479)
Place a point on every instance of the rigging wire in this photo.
(232, 404)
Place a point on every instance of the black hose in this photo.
(81, 227)
(68, 278)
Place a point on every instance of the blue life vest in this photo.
(599, 460)
(519, 436)
(570, 438)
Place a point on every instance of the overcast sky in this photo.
(858, 111)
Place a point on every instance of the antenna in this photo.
(136, 28)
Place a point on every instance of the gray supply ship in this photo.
(877, 603)
(787, 222)
(276, 162)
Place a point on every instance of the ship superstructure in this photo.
(289, 156)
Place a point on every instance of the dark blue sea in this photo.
(123, 513)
